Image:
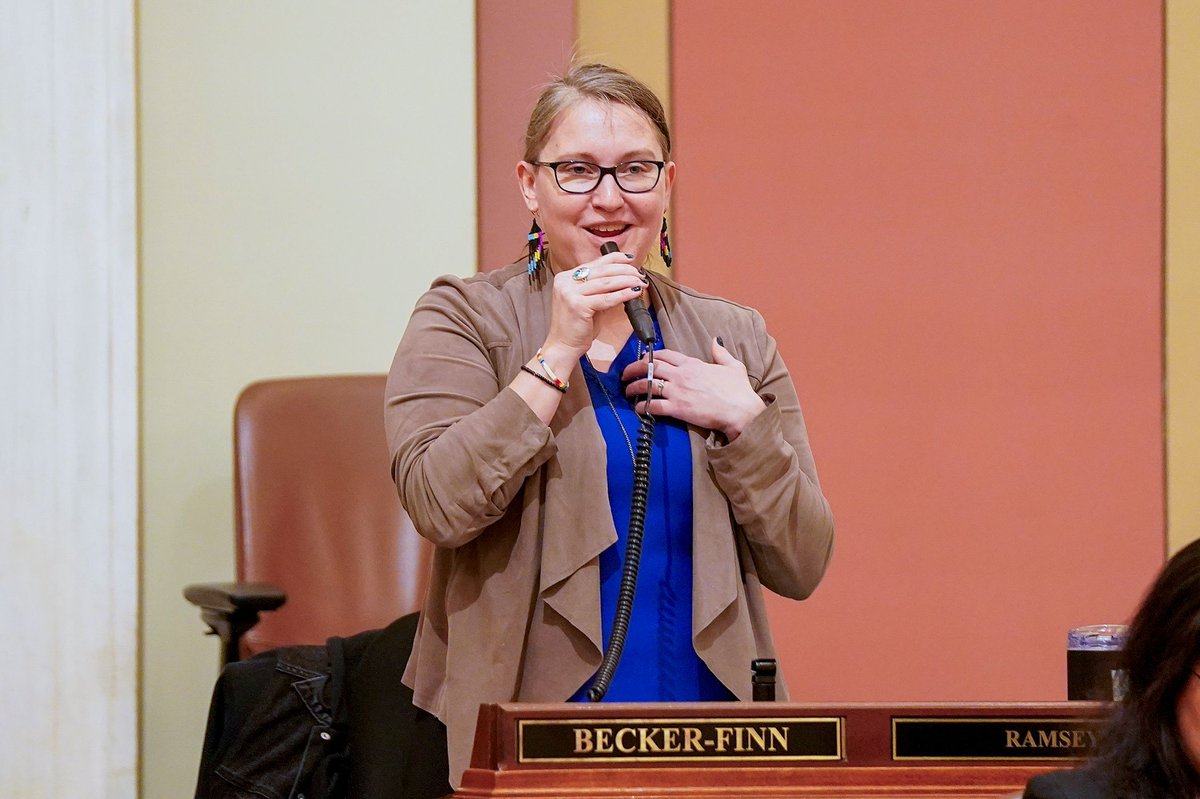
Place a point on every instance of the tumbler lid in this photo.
(1097, 637)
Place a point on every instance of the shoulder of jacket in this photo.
(708, 305)
(485, 283)
(507, 286)
(1085, 781)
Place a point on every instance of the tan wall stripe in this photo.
(634, 35)
(1183, 273)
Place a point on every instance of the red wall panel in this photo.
(950, 215)
(520, 44)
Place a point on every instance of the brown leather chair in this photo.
(318, 522)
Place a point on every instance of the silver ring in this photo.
(581, 274)
(660, 384)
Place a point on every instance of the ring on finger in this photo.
(581, 274)
(659, 385)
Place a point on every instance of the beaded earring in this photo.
(537, 251)
(664, 244)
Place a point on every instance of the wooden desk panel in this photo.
(1027, 739)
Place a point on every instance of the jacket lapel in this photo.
(714, 585)
(577, 518)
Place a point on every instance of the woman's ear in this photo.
(669, 177)
(526, 180)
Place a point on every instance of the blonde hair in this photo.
(593, 82)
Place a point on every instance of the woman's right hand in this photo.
(611, 281)
(575, 306)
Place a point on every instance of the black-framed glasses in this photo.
(581, 177)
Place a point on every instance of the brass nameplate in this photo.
(678, 739)
(987, 738)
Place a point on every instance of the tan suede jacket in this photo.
(519, 511)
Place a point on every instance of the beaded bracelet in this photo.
(561, 385)
(544, 379)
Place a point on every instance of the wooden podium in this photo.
(764, 749)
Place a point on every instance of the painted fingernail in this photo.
(646, 280)
(637, 288)
(629, 255)
(720, 341)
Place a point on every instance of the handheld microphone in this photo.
(635, 309)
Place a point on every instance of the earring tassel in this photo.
(537, 251)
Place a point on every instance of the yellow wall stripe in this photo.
(1183, 272)
(634, 35)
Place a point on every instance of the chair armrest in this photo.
(231, 609)
(235, 597)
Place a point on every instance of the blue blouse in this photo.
(658, 663)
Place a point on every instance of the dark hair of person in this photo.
(593, 82)
(1142, 751)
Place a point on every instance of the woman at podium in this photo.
(516, 420)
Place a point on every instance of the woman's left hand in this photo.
(716, 395)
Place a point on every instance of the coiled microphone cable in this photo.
(633, 545)
(643, 328)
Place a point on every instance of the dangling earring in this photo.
(664, 244)
(537, 251)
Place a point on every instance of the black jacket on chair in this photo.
(323, 722)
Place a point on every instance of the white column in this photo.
(68, 399)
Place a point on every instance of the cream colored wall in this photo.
(1183, 273)
(306, 169)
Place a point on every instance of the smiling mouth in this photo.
(607, 231)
